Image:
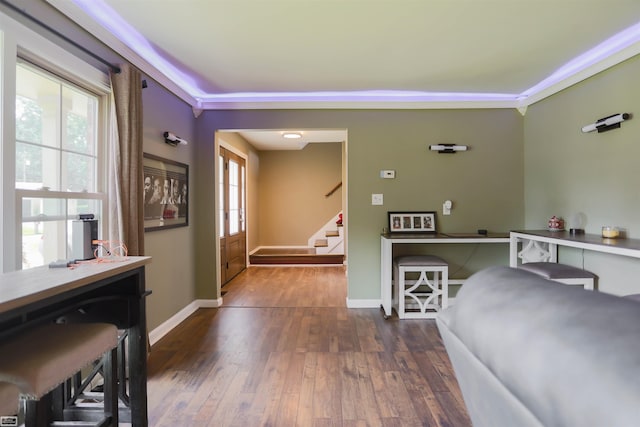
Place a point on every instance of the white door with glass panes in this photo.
(232, 226)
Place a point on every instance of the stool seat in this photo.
(9, 395)
(562, 273)
(417, 260)
(425, 296)
(41, 359)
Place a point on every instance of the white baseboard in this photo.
(164, 328)
(363, 303)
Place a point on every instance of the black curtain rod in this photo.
(113, 68)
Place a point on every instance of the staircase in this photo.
(329, 239)
(326, 246)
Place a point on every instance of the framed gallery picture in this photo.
(412, 222)
(166, 190)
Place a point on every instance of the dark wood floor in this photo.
(285, 351)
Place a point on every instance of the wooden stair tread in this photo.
(321, 243)
(332, 233)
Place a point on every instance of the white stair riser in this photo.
(335, 243)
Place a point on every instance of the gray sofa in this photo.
(530, 352)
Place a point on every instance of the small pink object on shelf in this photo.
(556, 224)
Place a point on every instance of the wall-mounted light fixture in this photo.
(173, 139)
(448, 148)
(607, 123)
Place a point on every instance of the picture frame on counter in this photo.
(412, 222)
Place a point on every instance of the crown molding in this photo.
(596, 68)
(80, 17)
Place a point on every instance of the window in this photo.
(57, 165)
(53, 129)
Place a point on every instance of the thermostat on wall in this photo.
(389, 174)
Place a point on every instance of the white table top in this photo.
(24, 287)
(594, 242)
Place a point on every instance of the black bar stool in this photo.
(39, 360)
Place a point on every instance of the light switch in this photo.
(376, 199)
(446, 207)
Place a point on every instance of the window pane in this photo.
(43, 209)
(43, 231)
(28, 120)
(28, 166)
(79, 172)
(242, 199)
(80, 111)
(221, 232)
(84, 206)
(37, 167)
(234, 220)
(43, 242)
(37, 107)
(234, 206)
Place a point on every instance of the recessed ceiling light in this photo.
(292, 135)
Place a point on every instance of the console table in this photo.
(552, 239)
(388, 240)
(112, 292)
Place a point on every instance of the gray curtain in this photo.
(127, 93)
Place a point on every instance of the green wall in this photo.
(596, 176)
(485, 183)
(171, 274)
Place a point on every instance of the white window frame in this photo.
(16, 40)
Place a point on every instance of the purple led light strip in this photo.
(109, 19)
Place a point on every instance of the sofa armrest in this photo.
(571, 357)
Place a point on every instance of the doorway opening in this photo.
(291, 192)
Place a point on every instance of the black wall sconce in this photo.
(448, 148)
(173, 139)
(607, 123)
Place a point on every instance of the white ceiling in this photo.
(273, 139)
(354, 53)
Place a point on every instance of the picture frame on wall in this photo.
(412, 222)
(165, 193)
